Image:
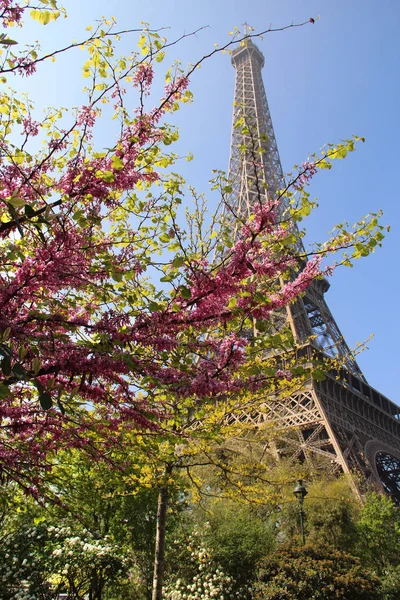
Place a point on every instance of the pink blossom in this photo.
(10, 12)
(86, 116)
(308, 170)
(24, 66)
(143, 77)
(30, 127)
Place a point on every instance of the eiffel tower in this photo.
(341, 422)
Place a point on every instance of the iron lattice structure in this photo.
(341, 423)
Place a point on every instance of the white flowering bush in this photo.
(203, 579)
(41, 561)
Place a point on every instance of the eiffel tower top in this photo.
(252, 179)
(247, 46)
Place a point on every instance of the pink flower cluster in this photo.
(10, 12)
(24, 65)
(143, 77)
(30, 127)
(308, 170)
(86, 116)
(173, 91)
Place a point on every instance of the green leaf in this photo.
(164, 238)
(155, 307)
(261, 326)
(38, 520)
(185, 292)
(324, 164)
(117, 163)
(74, 392)
(109, 176)
(298, 371)
(30, 211)
(22, 352)
(318, 375)
(45, 400)
(19, 371)
(269, 372)
(178, 261)
(15, 201)
(255, 370)
(4, 391)
(261, 298)
(78, 215)
(40, 233)
(44, 16)
(38, 385)
(6, 366)
(117, 276)
(7, 42)
(36, 365)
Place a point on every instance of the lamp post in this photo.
(300, 492)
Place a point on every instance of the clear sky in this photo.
(324, 82)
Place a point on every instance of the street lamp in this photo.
(300, 492)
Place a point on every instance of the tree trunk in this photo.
(159, 554)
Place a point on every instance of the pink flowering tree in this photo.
(113, 316)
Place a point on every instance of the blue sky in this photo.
(324, 82)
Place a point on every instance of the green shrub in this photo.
(314, 573)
